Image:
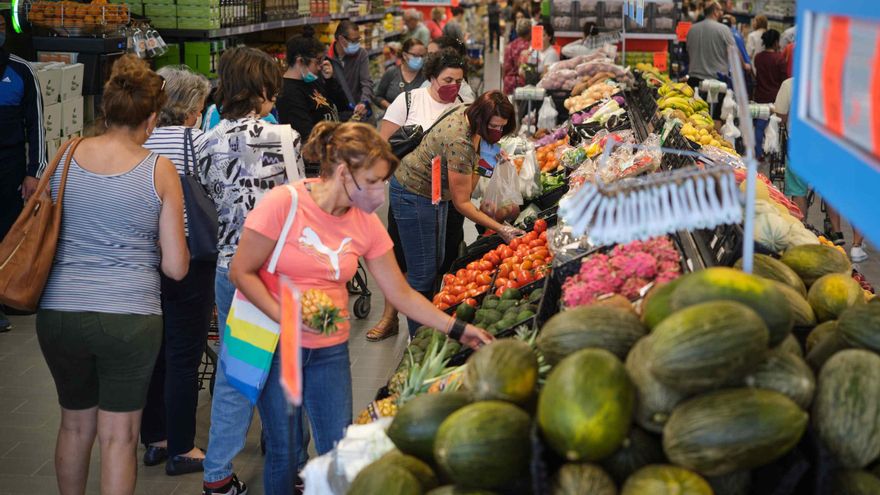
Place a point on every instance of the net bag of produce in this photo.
(501, 198)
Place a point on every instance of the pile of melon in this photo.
(708, 384)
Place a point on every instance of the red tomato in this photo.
(540, 225)
(536, 243)
(531, 236)
(504, 269)
(474, 292)
(543, 235)
(471, 285)
(514, 243)
(484, 278)
(472, 265)
(456, 289)
(500, 281)
(448, 278)
(513, 284)
(523, 277)
(471, 302)
(442, 306)
(485, 265)
(493, 258)
(499, 292)
(438, 298)
(506, 251)
(461, 273)
(526, 264)
(483, 288)
(448, 299)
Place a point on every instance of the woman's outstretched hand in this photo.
(475, 337)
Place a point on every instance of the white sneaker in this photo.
(858, 254)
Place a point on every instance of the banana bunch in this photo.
(701, 119)
(673, 88)
(676, 102)
(652, 75)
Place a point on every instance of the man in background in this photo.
(352, 70)
(415, 28)
(22, 142)
(494, 14)
(454, 27)
(707, 43)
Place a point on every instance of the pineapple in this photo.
(529, 336)
(421, 375)
(319, 313)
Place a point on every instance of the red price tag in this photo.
(682, 30)
(538, 38)
(875, 100)
(838, 41)
(291, 341)
(661, 61)
(436, 181)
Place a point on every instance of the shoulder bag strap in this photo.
(189, 151)
(447, 114)
(408, 103)
(47, 176)
(288, 223)
(290, 163)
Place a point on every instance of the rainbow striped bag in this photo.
(250, 337)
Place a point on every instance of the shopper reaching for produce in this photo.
(333, 225)
(454, 143)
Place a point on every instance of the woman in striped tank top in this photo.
(100, 319)
(168, 427)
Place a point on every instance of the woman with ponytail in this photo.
(334, 224)
(100, 319)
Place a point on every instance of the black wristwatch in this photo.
(457, 330)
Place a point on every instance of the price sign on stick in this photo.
(682, 30)
(661, 61)
(291, 342)
(538, 38)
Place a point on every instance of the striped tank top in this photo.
(107, 259)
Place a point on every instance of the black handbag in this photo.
(201, 214)
(408, 137)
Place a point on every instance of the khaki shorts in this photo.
(100, 359)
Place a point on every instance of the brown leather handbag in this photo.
(28, 250)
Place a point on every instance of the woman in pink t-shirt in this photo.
(335, 224)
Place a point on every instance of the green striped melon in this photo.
(820, 332)
(604, 327)
(787, 374)
(665, 479)
(791, 345)
(639, 449)
(846, 410)
(657, 304)
(706, 346)
(586, 406)
(385, 479)
(803, 313)
(860, 326)
(418, 468)
(772, 269)
(852, 482)
(728, 284)
(732, 430)
(457, 490)
(503, 370)
(484, 445)
(654, 400)
(582, 479)
(822, 351)
(737, 483)
(416, 423)
(812, 261)
(831, 294)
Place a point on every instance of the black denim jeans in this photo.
(187, 307)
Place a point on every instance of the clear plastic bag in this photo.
(728, 106)
(529, 176)
(501, 198)
(771, 135)
(729, 131)
(547, 115)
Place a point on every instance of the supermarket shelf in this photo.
(770, 17)
(266, 26)
(569, 34)
(392, 34)
(650, 36)
(374, 52)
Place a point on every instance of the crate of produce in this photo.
(153, 10)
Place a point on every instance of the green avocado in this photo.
(465, 312)
(489, 316)
(511, 294)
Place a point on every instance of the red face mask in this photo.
(494, 135)
(448, 92)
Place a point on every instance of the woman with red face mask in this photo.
(454, 141)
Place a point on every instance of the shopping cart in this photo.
(476, 62)
(208, 368)
(358, 286)
(777, 160)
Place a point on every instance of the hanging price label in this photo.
(661, 61)
(436, 181)
(682, 30)
(538, 38)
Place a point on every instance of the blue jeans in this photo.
(326, 395)
(232, 412)
(422, 228)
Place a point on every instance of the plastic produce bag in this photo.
(547, 115)
(502, 198)
(529, 176)
(771, 135)
(729, 131)
(728, 106)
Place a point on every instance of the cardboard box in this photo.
(52, 120)
(49, 77)
(71, 81)
(72, 116)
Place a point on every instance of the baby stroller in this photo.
(358, 286)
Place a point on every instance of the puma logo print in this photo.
(310, 238)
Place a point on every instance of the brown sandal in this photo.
(387, 327)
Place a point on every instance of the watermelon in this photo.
(860, 326)
(503, 370)
(852, 482)
(639, 449)
(610, 328)
(820, 332)
(732, 430)
(665, 479)
(484, 445)
(803, 313)
(831, 294)
(415, 466)
(787, 374)
(822, 351)
(791, 345)
(582, 479)
(457, 490)
(812, 261)
(657, 306)
(385, 479)
(416, 423)
(846, 410)
(706, 346)
(728, 284)
(737, 483)
(586, 405)
(772, 269)
(654, 400)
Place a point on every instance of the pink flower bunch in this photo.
(628, 269)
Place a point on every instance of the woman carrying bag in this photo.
(455, 142)
(313, 232)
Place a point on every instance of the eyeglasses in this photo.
(415, 54)
(356, 40)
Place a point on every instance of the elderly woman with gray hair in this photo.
(168, 425)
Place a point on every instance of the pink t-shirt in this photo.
(321, 250)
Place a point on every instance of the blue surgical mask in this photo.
(308, 76)
(415, 63)
(352, 48)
